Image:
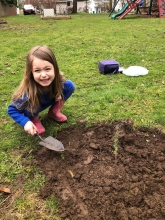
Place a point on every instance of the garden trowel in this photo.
(51, 143)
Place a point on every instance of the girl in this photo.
(43, 85)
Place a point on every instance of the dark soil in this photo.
(3, 22)
(109, 171)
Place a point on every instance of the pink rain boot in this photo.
(40, 129)
(55, 114)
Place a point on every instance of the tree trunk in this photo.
(110, 5)
(74, 6)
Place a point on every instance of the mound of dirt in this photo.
(3, 22)
(109, 171)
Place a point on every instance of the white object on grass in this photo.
(48, 12)
(135, 71)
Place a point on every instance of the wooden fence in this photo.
(7, 11)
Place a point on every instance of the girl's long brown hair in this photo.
(28, 86)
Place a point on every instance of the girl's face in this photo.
(43, 72)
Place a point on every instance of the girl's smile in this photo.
(43, 72)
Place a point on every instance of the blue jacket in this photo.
(23, 116)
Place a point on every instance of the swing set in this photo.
(156, 8)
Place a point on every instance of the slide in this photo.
(126, 9)
(120, 12)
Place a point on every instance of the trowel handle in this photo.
(36, 134)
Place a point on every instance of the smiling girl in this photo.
(42, 86)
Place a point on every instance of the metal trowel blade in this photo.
(52, 144)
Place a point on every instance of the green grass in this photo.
(79, 44)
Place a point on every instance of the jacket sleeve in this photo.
(17, 115)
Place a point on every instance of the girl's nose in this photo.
(43, 73)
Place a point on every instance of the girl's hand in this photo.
(30, 128)
(58, 97)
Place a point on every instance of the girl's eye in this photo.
(48, 69)
(36, 71)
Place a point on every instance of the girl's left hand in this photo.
(58, 97)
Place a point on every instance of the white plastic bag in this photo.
(135, 71)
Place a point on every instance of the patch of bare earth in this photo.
(90, 181)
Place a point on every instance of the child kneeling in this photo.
(42, 86)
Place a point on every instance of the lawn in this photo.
(79, 44)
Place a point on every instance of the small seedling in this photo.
(62, 156)
(116, 143)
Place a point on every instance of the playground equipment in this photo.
(156, 6)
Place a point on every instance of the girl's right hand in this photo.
(30, 128)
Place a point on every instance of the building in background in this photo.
(97, 6)
(66, 6)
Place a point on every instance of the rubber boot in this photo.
(40, 129)
(55, 114)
